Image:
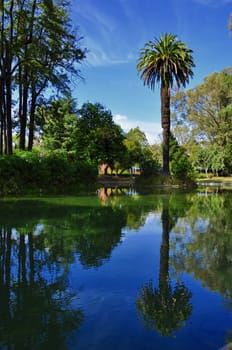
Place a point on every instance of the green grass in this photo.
(217, 179)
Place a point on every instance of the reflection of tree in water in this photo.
(134, 206)
(91, 232)
(165, 308)
(82, 225)
(206, 252)
(105, 192)
(100, 235)
(35, 306)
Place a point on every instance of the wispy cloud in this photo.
(151, 130)
(104, 35)
(101, 55)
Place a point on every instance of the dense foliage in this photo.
(139, 152)
(24, 172)
(181, 167)
(204, 116)
(58, 120)
(90, 133)
(99, 138)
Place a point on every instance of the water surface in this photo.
(116, 271)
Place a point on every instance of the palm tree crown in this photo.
(166, 60)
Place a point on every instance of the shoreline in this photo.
(120, 181)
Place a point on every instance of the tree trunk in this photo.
(9, 148)
(2, 79)
(1, 116)
(23, 87)
(32, 120)
(7, 73)
(27, 81)
(165, 121)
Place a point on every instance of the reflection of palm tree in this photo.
(165, 308)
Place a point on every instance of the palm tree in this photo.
(165, 60)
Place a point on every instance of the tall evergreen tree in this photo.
(60, 124)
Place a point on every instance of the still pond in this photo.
(116, 270)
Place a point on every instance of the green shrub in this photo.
(150, 167)
(28, 171)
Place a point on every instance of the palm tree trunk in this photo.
(165, 121)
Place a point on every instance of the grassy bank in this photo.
(216, 180)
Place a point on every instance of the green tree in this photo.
(228, 157)
(136, 143)
(211, 157)
(165, 60)
(39, 52)
(206, 109)
(156, 150)
(99, 139)
(139, 153)
(59, 125)
(181, 167)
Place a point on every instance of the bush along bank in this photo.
(28, 172)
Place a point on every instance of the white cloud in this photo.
(118, 118)
(152, 130)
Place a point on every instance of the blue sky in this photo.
(114, 32)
